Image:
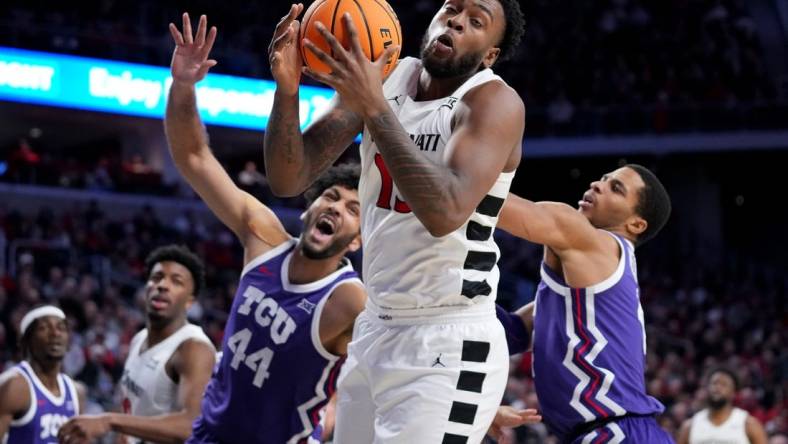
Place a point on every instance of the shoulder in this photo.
(347, 299)
(14, 390)
(193, 352)
(495, 94)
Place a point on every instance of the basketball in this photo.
(375, 20)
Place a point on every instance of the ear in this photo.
(636, 225)
(190, 301)
(491, 57)
(355, 244)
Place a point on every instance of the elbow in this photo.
(282, 189)
(441, 226)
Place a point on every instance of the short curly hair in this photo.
(180, 255)
(346, 175)
(515, 29)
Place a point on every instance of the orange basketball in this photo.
(375, 20)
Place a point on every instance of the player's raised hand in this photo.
(190, 62)
(508, 417)
(284, 55)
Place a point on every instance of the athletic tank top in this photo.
(407, 271)
(732, 431)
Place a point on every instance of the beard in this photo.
(717, 403)
(334, 248)
(445, 69)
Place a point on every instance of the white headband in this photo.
(40, 312)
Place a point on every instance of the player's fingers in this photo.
(355, 43)
(187, 29)
(209, 41)
(325, 58)
(337, 49)
(318, 76)
(387, 56)
(286, 20)
(176, 35)
(202, 28)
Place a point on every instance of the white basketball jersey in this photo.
(405, 267)
(147, 389)
(732, 431)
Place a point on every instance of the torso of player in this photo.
(732, 431)
(47, 412)
(274, 375)
(589, 347)
(406, 268)
(147, 388)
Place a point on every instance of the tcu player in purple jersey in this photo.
(297, 299)
(589, 340)
(35, 397)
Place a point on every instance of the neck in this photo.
(161, 330)
(721, 414)
(47, 371)
(431, 88)
(303, 270)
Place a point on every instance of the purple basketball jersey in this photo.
(590, 348)
(274, 375)
(47, 412)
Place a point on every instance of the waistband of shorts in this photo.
(430, 315)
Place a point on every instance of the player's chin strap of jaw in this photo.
(517, 336)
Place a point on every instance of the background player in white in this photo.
(442, 139)
(35, 397)
(169, 364)
(721, 422)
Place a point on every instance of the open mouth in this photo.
(446, 41)
(326, 226)
(158, 302)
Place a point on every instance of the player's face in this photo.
(612, 200)
(462, 36)
(169, 291)
(332, 224)
(48, 338)
(722, 389)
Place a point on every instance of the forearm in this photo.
(185, 132)
(172, 428)
(428, 188)
(284, 146)
(517, 327)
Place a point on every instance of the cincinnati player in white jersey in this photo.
(35, 397)
(442, 139)
(169, 363)
(721, 422)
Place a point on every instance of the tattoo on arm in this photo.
(329, 139)
(424, 185)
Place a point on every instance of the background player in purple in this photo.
(35, 397)
(297, 299)
(589, 338)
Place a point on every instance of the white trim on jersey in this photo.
(312, 286)
(31, 411)
(315, 327)
(320, 395)
(583, 378)
(279, 249)
(606, 284)
(72, 388)
(601, 342)
(56, 400)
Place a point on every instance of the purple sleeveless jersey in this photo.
(47, 412)
(274, 375)
(590, 348)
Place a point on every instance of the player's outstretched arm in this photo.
(555, 225)
(193, 362)
(188, 142)
(14, 398)
(487, 133)
(292, 160)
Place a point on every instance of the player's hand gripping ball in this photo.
(377, 25)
